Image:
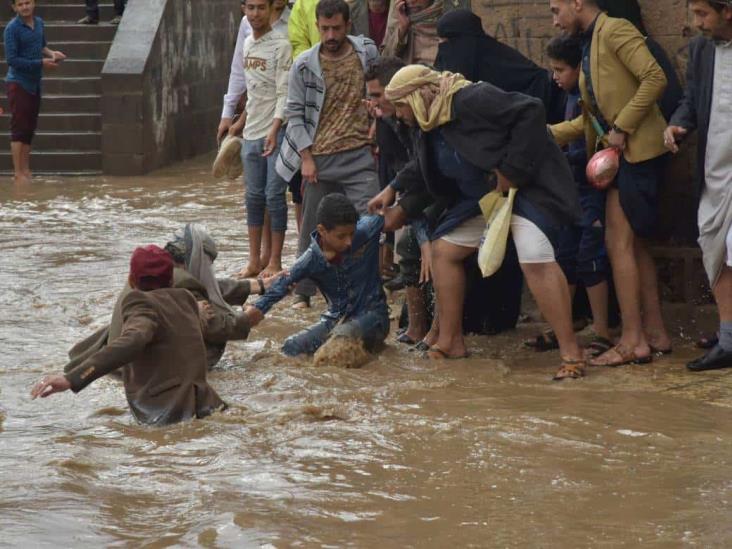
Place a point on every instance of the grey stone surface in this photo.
(164, 80)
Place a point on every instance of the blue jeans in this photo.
(371, 327)
(265, 189)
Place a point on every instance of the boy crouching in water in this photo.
(343, 261)
(161, 343)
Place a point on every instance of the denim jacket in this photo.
(351, 286)
(305, 97)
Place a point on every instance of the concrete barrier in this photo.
(163, 82)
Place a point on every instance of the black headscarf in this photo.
(480, 57)
(624, 9)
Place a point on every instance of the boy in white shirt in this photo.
(267, 61)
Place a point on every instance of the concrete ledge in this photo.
(164, 80)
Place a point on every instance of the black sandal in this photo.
(599, 346)
(546, 341)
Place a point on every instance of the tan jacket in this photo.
(162, 346)
(628, 82)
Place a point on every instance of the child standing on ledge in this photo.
(343, 261)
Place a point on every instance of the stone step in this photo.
(79, 141)
(55, 161)
(69, 67)
(77, 49)
(61, 122)
(69, 11)
(68, 32)
(72, 104)
(88, 85)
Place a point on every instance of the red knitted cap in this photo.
(151, 268)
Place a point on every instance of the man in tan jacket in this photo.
(161, 344)
(620, 84)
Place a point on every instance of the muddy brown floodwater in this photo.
(485, 452)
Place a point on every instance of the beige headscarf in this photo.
(428, 92)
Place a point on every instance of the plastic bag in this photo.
(497, 210)
(603, 168)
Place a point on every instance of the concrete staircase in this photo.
(69, 136)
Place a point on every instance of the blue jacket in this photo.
(24, 52)
(352, 286)
(576, 150)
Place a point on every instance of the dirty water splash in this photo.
(401, 452)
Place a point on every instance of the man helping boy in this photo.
(343, 261)
(161, 343)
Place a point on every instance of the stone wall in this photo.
(163, 82)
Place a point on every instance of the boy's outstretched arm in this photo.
(281, 287)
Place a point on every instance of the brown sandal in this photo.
(571, 369)
(627, 356)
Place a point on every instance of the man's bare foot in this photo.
(271, 270)
(21, 179)
(659, 343)
(250, 271)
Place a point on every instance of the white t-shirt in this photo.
(267, 62)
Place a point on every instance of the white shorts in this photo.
(729, 247)
(468, 234)
(532, 245)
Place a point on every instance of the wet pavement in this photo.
(485, 452)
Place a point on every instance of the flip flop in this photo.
(627, 356)
(421, 346)
(404, 338)
(661, 352)
(545, 341)
(435, 353)
(598, 346)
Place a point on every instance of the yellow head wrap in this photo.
(428, 92)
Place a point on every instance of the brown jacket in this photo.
(628, 82)
(162, 346)
(224, 326)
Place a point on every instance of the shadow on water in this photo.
(402, 452)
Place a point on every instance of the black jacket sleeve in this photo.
(686, 115)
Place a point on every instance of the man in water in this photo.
(161, 343)
(343, 261)
(193, 251)
(707, 108)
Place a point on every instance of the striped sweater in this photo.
(305, 98)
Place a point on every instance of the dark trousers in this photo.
(92, 8)
(24, 108)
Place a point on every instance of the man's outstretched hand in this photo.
(49, 385)
(382, 200)
(254, 315)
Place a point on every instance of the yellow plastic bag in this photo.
(497, 210)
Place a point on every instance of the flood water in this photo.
(485, 452)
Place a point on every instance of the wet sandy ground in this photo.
(485, 452)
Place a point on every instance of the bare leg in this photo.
(723, 295)
(25, 160)
(417, 313)
(449, 281)
(549, 287)
(655, 330)
(254, 267)
(266, 250)
(620, 242)
(275, 259)
(16, 150)
(434, 332)
(597, 296)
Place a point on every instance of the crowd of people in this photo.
(402, 118)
